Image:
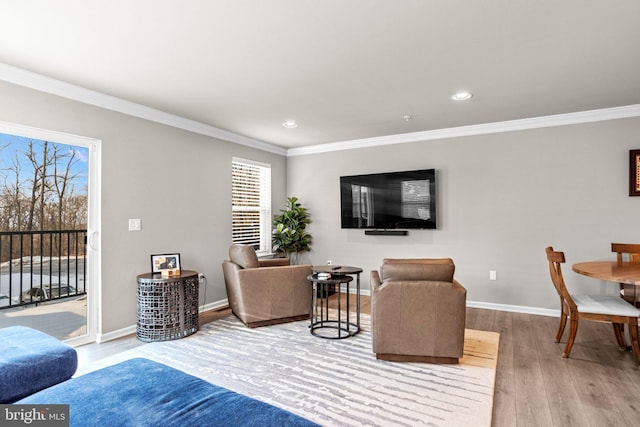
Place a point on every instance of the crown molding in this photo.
(42, 83)
(481, 129)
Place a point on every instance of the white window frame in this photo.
(258, 175)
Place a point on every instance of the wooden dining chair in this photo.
(599, 308)
(628, 252)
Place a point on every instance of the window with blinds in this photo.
(251, 204)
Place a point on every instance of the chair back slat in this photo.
(555, 259)
(631, 250)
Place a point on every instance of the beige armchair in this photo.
(265, 292)
(418, 311)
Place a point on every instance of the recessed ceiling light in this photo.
(290, 124)
(461, 96)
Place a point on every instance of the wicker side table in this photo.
(167, 307)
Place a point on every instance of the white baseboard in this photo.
(515, 308)
(119, 333)
(109, 336)
(493, 306)
(217, 305)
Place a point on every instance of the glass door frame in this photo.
(94, 282)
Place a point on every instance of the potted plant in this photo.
(290, 237)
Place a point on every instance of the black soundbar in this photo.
(386, 232)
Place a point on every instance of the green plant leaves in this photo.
(289, 229)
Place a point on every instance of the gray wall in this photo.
(502, 198)
(177, 182)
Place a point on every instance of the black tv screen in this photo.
(392, 200)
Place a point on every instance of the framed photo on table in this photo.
(634, 172)
(165, 262)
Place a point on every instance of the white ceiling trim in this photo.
(42, 83)
(481, 129)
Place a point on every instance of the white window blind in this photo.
(251, 204)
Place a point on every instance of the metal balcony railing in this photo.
(39, 266)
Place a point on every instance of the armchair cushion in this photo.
(30, 361)
(274, 262)
(244, 256)
(440, 270)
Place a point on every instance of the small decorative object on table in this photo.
(168, 265)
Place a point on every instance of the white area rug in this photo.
(333, 382)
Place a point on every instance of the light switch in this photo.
(135, 224)
(492, 275)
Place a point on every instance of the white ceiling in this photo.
(344, 70)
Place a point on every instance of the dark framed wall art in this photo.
(634, 172)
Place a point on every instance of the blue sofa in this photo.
(141, 392)
(31, 360)
(35, 370)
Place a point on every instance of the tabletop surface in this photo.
(336, 269)
(158, 277)
(624, 272)
(333, 280)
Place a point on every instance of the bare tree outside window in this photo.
(43, 186)
(43, 220)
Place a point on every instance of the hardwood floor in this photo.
(597, 386)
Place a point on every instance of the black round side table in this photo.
(167, 306)
(343, 270)
(339, 324)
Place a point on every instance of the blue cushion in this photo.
(141, 392)
(30, 361)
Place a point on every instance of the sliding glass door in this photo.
(49, 232)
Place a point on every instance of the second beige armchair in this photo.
(265, 292)
(418, 311)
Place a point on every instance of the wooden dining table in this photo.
(612, 271)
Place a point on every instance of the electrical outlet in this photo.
(493, 275)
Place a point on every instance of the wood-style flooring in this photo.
(597, 386)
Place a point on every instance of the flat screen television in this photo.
(392, 200)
